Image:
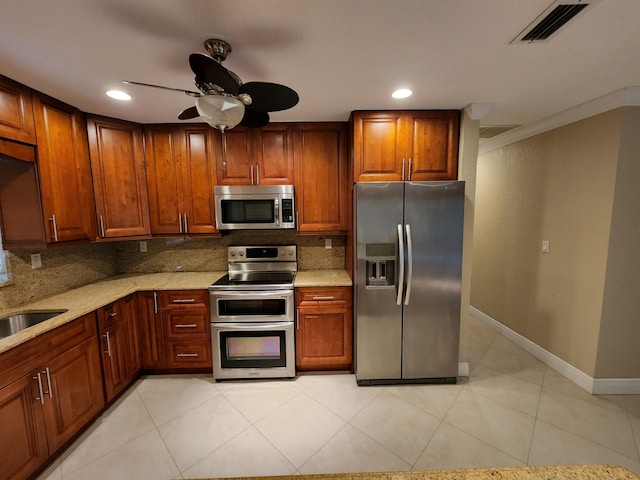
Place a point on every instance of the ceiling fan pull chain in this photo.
(224, 149)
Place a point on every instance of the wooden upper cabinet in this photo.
(65, 171)
(378, 146)
(255, 156)
(320, 154)
(432, 145)
(117, 164)
(273, 155)
(405, 145)
(16, 112)
(181, 173)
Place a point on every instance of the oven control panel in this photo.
(258, 253)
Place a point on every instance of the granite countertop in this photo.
(568, 472)
(86, 299)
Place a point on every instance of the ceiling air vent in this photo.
(551, 20)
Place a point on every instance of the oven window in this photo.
(247, 211)
(252, 307)
(253, 349)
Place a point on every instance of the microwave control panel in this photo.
(287, 210)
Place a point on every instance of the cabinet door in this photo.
(150, 330)
(324, 328)
(162, 154)
(16, 112)
(198, 179)
(378, 146)
(433, 145)
(321, 178)
(324, 338)
(65, 171)
(73, 392)
(23, 442)
(117, 163)
(273, 155)
(129, 310)
(234, 157)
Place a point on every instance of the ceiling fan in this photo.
(223, 101)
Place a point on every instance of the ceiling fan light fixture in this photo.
(220, 111)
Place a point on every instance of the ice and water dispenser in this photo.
(380, 264)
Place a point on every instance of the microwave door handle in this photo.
(276, 211)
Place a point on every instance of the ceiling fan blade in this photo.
(254, 119)
(188, 92)
(210, 71)
(188, 113)
(269, 97)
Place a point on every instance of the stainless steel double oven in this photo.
(252, 314)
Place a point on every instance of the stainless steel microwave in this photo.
(254, 207)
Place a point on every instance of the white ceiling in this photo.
(339, 55)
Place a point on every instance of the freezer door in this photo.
(378, 317)
(434, 215)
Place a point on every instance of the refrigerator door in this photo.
(378, 314)
(434, 221)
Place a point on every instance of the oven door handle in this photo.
(252, 293)
(252, 326)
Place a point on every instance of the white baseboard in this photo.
(584, 381)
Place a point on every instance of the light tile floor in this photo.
(512, 410)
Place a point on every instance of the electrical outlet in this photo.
(36, 260)
(328, 244)
(143, 246)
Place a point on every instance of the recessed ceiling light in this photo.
(119, 95)
(402, 93)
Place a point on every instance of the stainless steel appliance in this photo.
(252, 314)
(408, 264)
(254, 206)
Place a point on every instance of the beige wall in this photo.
(618, 349)
(556, 186)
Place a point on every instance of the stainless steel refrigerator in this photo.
(408, 268)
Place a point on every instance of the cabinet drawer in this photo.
(184, 298)
(107, 316)
(196, 354)
(185, 323)
(318, 296)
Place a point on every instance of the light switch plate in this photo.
(545, 246)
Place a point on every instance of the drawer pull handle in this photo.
(187, 355)
(315, 297)
(184, 300)
(185, 325)
(112, 314)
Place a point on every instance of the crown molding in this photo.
(624, 97)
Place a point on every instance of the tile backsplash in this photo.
(201, 255)
(64, 268)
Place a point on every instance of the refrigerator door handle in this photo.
(401, 261)
(409, 264)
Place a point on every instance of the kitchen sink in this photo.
(19, 321)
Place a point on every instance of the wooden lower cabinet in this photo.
(175, 331)
(50, 388)
(186, 328)
(120, 344)
(324, 328)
